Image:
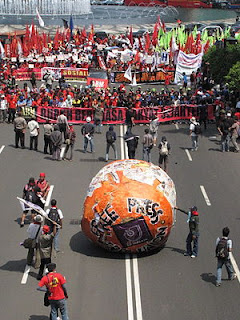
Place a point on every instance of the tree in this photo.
(233, 77)
(221, 60)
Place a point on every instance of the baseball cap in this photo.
(45, 229)
(193, 119)
(88, 119)
(229, 114)
(42, 174)
(38, 218)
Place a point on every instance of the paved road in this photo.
(171, 286)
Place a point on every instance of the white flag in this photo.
(40, 20)
(2, 51)
(20, 51)
(134, 81)
(128, 73)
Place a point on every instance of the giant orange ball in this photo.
(129, 207)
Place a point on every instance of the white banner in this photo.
(187, 63)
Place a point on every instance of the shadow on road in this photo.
(79, 243)
(35, 317)
(14, 265)
(209, 277)
(180, 251)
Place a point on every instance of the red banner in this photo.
(118, 115)
(25, 73)
(97, 83)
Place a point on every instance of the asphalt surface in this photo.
(171, 286)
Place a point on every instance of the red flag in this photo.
(155, 32)
(91, 34)
(130, 37)
(137, 57)
(140, 44)
(55, 40)
(101, 63)
(84, 33)
(147, 42)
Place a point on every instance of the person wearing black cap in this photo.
(110, 139)
(28, 194)
(55, 284)
(193, 235)
(164, 151)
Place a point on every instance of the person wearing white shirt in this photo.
(33, 127)
(56, 215)
(3, 108)
(33, 231)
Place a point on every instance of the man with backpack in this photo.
(223, 247)
(164, 151)
(110, 139)
(55, 215)
(195, 130)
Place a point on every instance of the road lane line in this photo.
(176, 125)
(62, 152)
(1, 149)
(49, 196)
(188, 154)
(129, 287)
(125, 144)
(235, 266)
(205, 196)
(137, 288)
(25, 274)
(121, 142)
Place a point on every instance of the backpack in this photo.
(110, 137)
(53, 215)
(197, 129)
(164, 149)
(222, 249)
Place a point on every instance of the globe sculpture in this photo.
(129, 207)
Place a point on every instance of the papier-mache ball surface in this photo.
(129, 207)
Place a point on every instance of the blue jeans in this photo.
(194, 142)
(189, 241)
(146, 154)
(59, 304)
(56, 241)
(225, 140)
(228, 265)
(86, 140)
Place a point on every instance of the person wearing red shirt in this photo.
(12, 103)
(55, 285)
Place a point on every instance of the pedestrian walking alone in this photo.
(111, 138)
(132, 143)
(193, 235)
(195, 130)
(147, 145)
(164, 151)
(55, 284)
(223, 247)
(88, 133)
(234, 129)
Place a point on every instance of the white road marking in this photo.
(49, 196)
(62, 152)
(235, 266)
(121, 142)
(25, 274)
(176, 125)
(137, 288)
(1, 149)
(129, 287)
(205, 196)
(188, 155)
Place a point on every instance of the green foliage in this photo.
(233, 77)
(221, 60)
